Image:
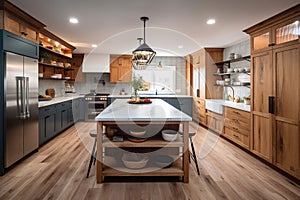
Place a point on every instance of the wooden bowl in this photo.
(134, 160)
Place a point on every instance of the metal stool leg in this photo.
(91, 159)
(95, 157)
(194, 156)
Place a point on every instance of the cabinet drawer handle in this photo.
(236, 129)
(272, 44)
(236, 136)
(236, 112)
(236, 120)
(24, 33)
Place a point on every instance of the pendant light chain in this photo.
(144, 30)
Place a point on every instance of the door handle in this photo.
(26, 98)
(21, 97)
(271, 104)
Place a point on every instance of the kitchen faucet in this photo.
(232, 92)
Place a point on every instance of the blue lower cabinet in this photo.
(49, 126)
(58, 124)
(82, 109)
(54, 119)
(78, 109)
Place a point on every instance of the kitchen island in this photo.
(154, 118)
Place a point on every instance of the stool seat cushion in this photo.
(93, 133)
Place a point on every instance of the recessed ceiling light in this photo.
(180, 46)
(73, 20)
(94, 45)
(211, 21)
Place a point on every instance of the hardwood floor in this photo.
(58, 171)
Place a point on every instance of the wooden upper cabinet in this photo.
(120, 68)
(261, 40)
(202, 74)
(19, 23)
(77, 75)
(277, 30)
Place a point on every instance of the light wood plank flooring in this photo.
(58, 171)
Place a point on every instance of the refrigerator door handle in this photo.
(21, 97)
(26, 98)
(18, 83)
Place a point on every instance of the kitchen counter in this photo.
(216, 105)
(157, 115)
(158, 110)
(151, 96)
(57, 100)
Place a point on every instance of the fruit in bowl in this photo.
(147, 101)
(44, 96)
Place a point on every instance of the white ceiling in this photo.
(115, 24)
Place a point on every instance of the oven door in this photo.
(95, 105)
(93, 108)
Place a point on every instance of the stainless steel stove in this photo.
(95, 103)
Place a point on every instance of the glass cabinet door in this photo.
(288, 32)
(261, 41)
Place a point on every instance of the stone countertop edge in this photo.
(120, 110)
(240, 106)
(58, 100)
(152, 96)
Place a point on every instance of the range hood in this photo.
(96, 63)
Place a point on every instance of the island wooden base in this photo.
(179, 168)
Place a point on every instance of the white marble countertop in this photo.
(158, 110)
(151, 96)
(216, 105)
(57, 100)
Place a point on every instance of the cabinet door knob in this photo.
(272, 44)
(24, 33)
(236, 112)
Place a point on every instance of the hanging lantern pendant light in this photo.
(143, 55)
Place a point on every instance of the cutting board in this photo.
(50, 92)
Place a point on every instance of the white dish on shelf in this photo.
(134, 160)
(169, 135)
(247, 69)
(54, 76)
(229, 70)
(67, 77)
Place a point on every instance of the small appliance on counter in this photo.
(69, 87)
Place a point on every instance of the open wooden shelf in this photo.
(233, 73)
(59, 79)
(55, 52)
(55, 66)
(149, 170)
(155, 143)
(227, 62)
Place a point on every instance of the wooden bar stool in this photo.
(93, 134)
(193, 153)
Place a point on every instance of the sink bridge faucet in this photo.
(232, 92)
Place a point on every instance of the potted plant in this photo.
(45, 58)
(247, 100)
(137, 84)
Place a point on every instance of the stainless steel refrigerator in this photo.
(21, 107)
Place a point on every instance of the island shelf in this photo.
(157, 113)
